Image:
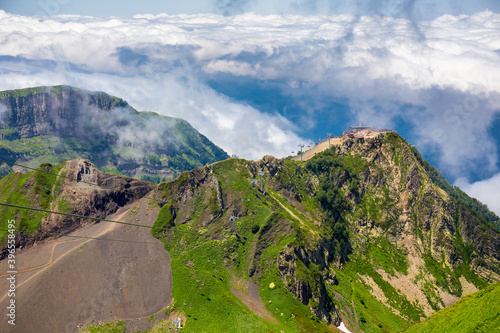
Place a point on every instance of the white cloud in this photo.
(487, 191)
(237, 128)
(436, 75)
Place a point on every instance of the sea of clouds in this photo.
(440, 77)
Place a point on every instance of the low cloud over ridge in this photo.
(439, 78)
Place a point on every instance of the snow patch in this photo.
(343, 328)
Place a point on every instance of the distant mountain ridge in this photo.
(60, 123)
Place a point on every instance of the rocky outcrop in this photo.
(308, 285)
(186, 192)
(81, 190)
(399, 201)
(412, 196)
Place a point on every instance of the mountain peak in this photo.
(358, 229)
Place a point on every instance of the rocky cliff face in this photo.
(64, 111)
(441, 249)
(294, 263)
(418, 206)
(62, 122)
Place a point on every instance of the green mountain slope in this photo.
(210, 271)
(359, 233)
(56, 124)
(479, 312)
(459, 195)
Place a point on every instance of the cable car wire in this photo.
(98, 219)
(83, 237)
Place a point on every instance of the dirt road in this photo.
(324, 145)
(318, 149)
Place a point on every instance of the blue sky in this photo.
(417, 9)
(260, 77)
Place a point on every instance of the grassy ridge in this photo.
(235, 252)
(31, 189)
(206, 270)
(478, 312)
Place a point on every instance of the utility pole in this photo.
(232, 219)
(329, 136)
(262, 173)
(254, 182)
(301, 146)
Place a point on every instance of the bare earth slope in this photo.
(84, 280)
(337, 141)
